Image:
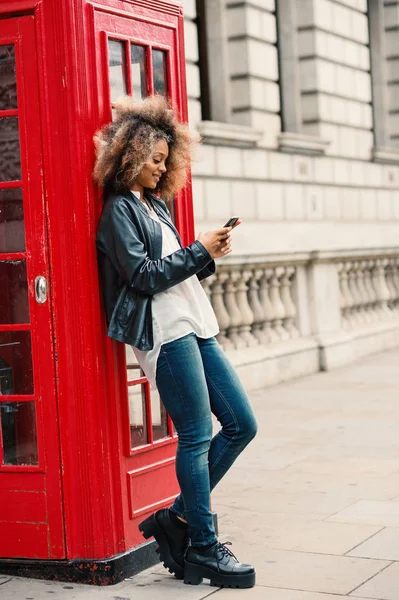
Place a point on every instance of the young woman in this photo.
(154, 301)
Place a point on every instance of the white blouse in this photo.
(182, 309)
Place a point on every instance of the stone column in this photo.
(264, 298)
(232, 308)
(247, 317)
(256, 306)
(221, 313)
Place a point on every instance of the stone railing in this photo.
(256, 299)
(369, 289)
(254, 302)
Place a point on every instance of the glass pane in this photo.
(117, 76)
(159, 417)
(14, 305)
(16, 374)
(139, 73)
(136, 398)
(18, 428)
(10, 163)
(8, 79)
(159, 69)
(138, 425)
(12, 231)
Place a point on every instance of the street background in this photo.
(313, 502)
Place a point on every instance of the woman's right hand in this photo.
(217, 242)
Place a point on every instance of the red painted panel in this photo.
(23, 540)
(152, 487)
(23, 506)
(33, 482)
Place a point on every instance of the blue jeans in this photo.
(194, 378)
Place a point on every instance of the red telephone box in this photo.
(86, 450)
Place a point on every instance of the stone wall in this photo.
(302, 144)
(297, 200)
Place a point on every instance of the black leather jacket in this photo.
(129, 246)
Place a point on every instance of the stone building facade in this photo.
(297, 102)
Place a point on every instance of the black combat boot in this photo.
(219, 565)
(172, 539)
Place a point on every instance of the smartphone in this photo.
(231, 222)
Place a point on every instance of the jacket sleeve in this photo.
(207, 271)
(120, 239)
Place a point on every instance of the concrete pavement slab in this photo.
(372, 512)
(384, 545)
(302, 535)
(277, 458)
(307, 571)
(290, 479)
(152, 584)
(384, 586)
(305, 503)
(321, 538)
(359, 465)
(269, 593)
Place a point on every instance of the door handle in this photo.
(41, 289)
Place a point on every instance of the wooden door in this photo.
(31, 516)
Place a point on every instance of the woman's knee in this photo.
(243, 427)
(252, 429)
(249, 428)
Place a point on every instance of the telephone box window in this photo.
(142, 416)
(12, 231)
(159, 417)
(18, 430)
(159, 70)
(16, 373)
(10, 160)
(137, 411)
(148, 418)
(117, 77)
(14, 304)
(138, 70)
(8, 79)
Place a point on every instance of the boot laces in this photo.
(226, 551)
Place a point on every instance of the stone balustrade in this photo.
(254, 303)
(256, 300)
(369, 290)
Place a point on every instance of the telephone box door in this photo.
(31, 524)
(141, 54)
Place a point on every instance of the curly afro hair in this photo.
(124, 145)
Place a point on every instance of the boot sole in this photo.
(195, 574)
(150, 528)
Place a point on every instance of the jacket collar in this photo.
(157, 206)
(138, 202)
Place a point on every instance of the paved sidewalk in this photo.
(313, 502)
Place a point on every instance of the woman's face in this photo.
(153, 170)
